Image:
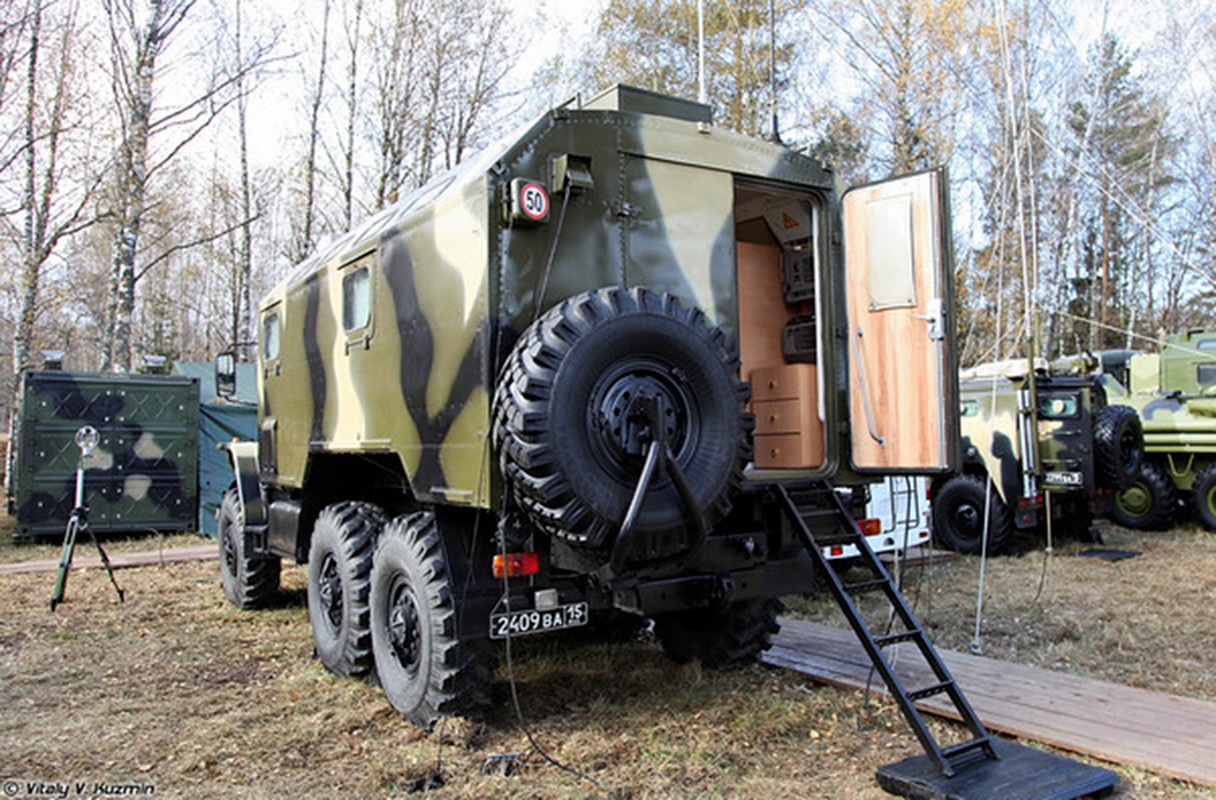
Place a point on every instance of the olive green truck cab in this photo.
(1037, 447)
(563, 384)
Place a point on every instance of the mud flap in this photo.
(1022, 773)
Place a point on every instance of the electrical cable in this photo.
(557, 235)
(508, 653)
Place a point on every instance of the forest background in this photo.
(164, 162)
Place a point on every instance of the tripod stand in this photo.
(86, 440)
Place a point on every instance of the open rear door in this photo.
(903, 382)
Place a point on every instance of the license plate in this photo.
(1063, 478)
(523, 623)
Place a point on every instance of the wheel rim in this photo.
(967, 521)
(1210, 500)
(616, 413)
(404, 628)
(230, 554)
(1135, 502)
(329, 588)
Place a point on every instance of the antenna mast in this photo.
(701, 52)
(772, 68)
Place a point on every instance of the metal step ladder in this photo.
(821, 507)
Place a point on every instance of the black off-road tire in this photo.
(568, 384)
(339, 585)
(958, 516)
(1118, 446)
(249, 581)
(424, 667)
(722, 639)
(1203, 494)
(1150, 503)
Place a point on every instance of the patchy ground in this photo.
(177, 690)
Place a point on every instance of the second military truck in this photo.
(573, 381)
(1037, 447)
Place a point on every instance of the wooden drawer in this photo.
(779, 416)
(784, 383)
(788, 451)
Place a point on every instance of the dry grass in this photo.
(178, 690)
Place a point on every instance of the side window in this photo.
(270, 336)
(356, 299)
(1205, 374)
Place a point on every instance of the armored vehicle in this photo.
(1175, 393)
(615, 365)
(1034, 447)
(143, 474)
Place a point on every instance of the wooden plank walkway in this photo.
(204, 552)
(1163, 733)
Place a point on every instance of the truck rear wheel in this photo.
(426, 669)
(722, 639)
(1118, 446)
(1203, 494)
(339, 583)
(958, 516)
(1149, 503)
(569, 417)
(249, 581)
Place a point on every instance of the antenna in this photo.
(701, 98)
(772, 68)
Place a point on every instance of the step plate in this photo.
(1022, 773)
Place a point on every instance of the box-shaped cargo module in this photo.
(143, 474)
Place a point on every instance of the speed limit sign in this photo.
(529, 202)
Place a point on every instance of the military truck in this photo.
(1174, 392)
(1035, 447)
(585, 375)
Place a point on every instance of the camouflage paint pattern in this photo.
(144, 473)
(1174, 394)
(454, 281)
(1063, 420)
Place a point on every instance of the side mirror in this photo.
(225, 375)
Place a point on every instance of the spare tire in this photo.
(567, 426)
(1118, 446)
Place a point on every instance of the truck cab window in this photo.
(356, 300)
(270, 337)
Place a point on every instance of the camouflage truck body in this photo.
(1045, 445)
(1173, 391)
(144, 473)
(543, 359)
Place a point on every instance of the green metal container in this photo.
(143, 475)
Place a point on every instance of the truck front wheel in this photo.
(250, 581)
(1149, 503)
(339, 582)
(1204, 495)
(958, 516)
(426, 669)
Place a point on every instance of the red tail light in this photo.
(516, 565)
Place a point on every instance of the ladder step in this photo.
(861, 587)
(982, 744)
(930, 691)
(834, 539)
(895, 638)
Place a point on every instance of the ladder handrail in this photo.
(982, 741)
